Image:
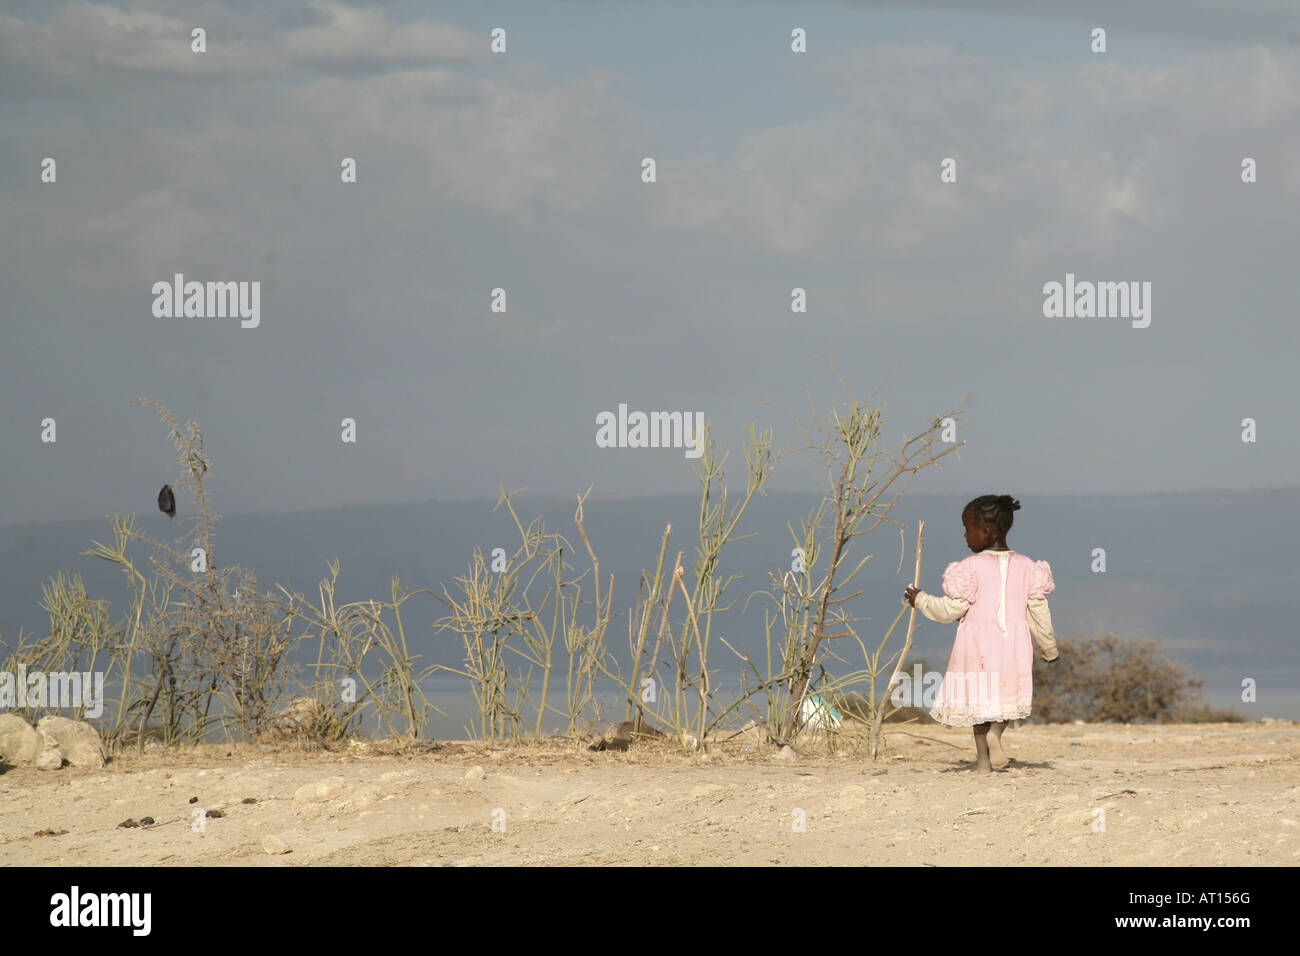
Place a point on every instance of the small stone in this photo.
(275, 846)
(215, 814)
(474, 773)
(51, 759)
(786, 754)
(249, 800)
(128, 824)
(194, 799)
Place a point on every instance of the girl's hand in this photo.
(910, 594)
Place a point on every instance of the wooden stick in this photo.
(907, 646)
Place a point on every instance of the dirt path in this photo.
(1202, 795)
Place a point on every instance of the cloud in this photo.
(502, 172)
(81, 42)
(1218, 21)
(353, 34)
(1081, 158)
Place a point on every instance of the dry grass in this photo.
(202, 650)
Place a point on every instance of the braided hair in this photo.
(995, 510)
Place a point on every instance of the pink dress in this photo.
(990, 672)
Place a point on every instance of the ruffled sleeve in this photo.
(1040, 581)
(959, 581)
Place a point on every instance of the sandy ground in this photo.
(1196, 795)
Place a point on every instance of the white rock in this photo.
(475, 773)
(78, 740)
(49, 759)
(19, 741)
(786, 753)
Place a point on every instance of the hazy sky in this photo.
(522, 170)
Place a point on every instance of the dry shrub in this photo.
(1109, 679)
(1204, 714)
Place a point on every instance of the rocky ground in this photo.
(1090, 795)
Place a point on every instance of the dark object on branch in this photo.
(167, 501)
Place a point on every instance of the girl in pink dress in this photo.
(1000, 597)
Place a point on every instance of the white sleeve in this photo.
(940, 608)
(1040, 626)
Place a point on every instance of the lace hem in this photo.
(964, 717)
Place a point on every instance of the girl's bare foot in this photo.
(988, 747)
(982, 748)
(997, 756)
